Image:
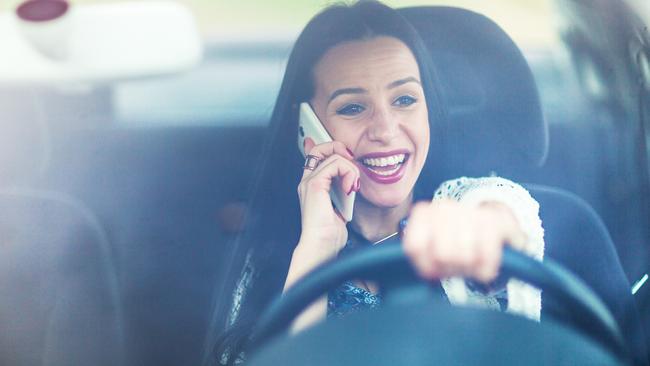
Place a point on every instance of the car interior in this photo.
(115, 236)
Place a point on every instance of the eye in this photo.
(404, 101)
(351, 110)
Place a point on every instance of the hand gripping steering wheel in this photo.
(592, 335)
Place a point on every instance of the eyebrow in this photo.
(396, 83)
(392, 85)
(346, 91)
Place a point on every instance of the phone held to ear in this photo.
(310, 126)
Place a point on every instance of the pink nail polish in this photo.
(358, 185)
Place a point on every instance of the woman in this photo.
(365, 73)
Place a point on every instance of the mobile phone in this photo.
(310, 126)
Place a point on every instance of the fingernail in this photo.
(350, 191)
(350, 152)
(358, 185)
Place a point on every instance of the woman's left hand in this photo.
(446, 238)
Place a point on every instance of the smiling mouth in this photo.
(385, 168)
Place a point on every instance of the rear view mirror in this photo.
(51, 42)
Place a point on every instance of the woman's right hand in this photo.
(323, 229)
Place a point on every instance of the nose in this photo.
(383, 126)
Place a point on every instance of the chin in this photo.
(388, 199)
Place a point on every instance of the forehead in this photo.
(364, 63)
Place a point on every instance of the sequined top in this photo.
(349, 298)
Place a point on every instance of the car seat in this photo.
(495, 125)
(59, 293)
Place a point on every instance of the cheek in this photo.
(347, 133)
(422, 135)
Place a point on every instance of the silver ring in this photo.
(311, 162)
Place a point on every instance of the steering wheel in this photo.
(592, 326)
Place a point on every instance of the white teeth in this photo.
(381, 162)
(384, 172)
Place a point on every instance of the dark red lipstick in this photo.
(379, 173)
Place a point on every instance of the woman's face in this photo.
(369, 96)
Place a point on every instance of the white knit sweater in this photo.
(523, 299)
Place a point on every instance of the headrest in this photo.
(495, 121)
(24, 139)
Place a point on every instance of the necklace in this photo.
(364, 284)
(385, 238)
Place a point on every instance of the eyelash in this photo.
(354, 109)
(402, 103)
(350, 109)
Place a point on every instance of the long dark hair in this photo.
(263, 252)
